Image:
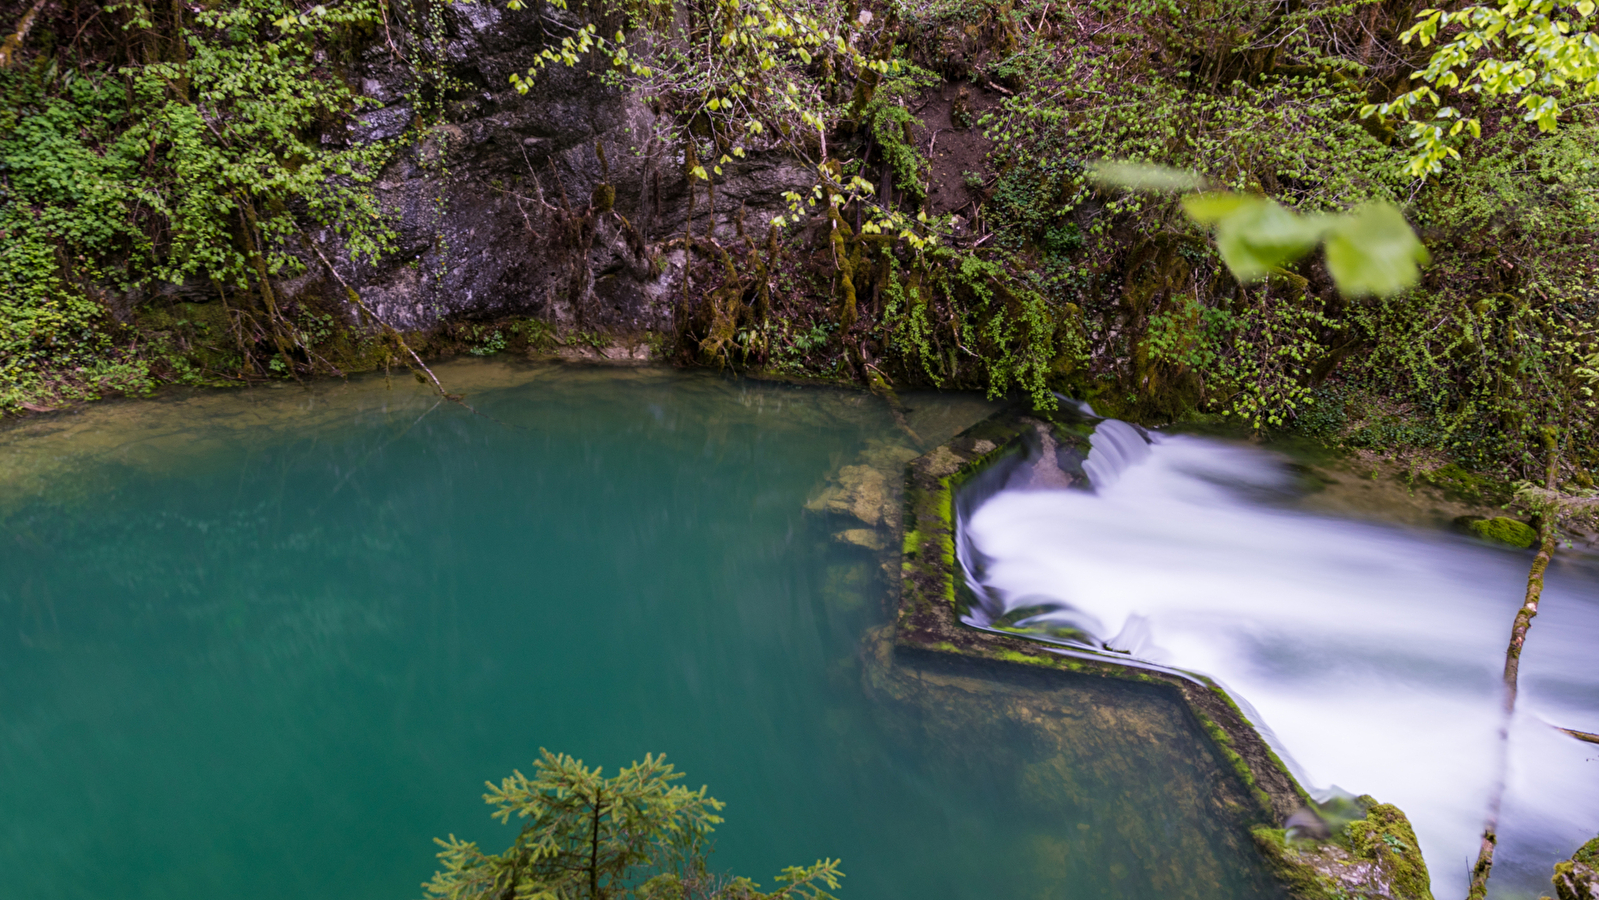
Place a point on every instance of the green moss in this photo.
(1385, 837)
(1587, 854)
(1578, 877)
(1320, 871)
(1303, 881)
(1235, 760)
(1504, 530)
(1015, 657)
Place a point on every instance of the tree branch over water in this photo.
(1550, 506)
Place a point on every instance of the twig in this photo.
(390, 37)
(355, 297)
(1580, 735)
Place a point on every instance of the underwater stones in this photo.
(867, 489)
(861, 537)
(1578, 877)
(1108, 769)
(1501, 530)
(858, 491)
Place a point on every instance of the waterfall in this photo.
(1369, 655)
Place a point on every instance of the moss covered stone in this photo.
(1578, 877)
(1376, 857)
(1503, 530)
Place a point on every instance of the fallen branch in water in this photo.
(1549, 504)
(879, 384)
(1580, 735)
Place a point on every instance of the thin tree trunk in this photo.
(1518, 637)
(258, 261)
(180, 46)
(594, 849)
(13, 42)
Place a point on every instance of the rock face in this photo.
(560, 203)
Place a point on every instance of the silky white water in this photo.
(1370, 655)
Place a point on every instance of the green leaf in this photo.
(1212, 206)
(1253, 234)
(1144, 177)
(1374, 251)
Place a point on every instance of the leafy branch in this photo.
(1535, 50)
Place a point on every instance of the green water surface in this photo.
(270, 643)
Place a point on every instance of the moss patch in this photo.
(1503, 530)
(1375, 857)
(1578, 877)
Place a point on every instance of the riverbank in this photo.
(931, 224)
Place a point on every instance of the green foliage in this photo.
(634, 835)
(489, 341)
(234, 149)
(1241, 334)
(1003, 320)
(172, 164)
(1536, 51)
(739, 68)
(1493, 348)
(889, 121)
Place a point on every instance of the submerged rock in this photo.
(858, 491)
(868, 489)
(869, 538)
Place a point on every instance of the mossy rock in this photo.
(1374, 857)
(1502, 530)
(1578, 877)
